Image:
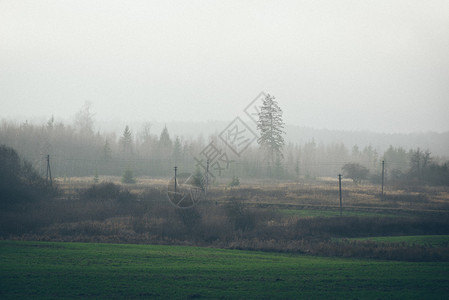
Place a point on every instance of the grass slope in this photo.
(77, 270)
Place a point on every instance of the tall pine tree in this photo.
(126, 140)
(271, 128)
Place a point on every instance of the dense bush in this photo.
(240, 215)
(107, 191)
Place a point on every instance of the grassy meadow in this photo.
(258, 240)
(294, 217)
(89, 270)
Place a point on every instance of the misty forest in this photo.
(224, 149)
(68, 182)
(77, 150)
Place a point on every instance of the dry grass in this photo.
(320, 193)
(245, 217)
(325, 194)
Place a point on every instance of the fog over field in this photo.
(380, 66)
(255, 149)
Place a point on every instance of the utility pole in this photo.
(49, 171)
(383, 172)
(339, 186)
(176, 169)
(207, 179)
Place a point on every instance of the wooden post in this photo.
(176, 168)
(49, 171)
(207, 179)
(339, 185)
(383, 172)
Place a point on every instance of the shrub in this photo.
(96, 177)
(190, 218)
(240, 215)
(107, 191)
(235, 181)
(128, 177)
(102, 191)
(198, 179)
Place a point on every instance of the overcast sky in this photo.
(357, 65)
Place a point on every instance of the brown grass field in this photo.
(300, 217)
(322, 193)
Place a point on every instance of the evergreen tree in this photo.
(355, 152)
(107, 152)
(234, 182)
(370, 156)
(165, 145)
(147, 139)
(146, 133)
(128, 177)
(51, 123)
(198, 179)
(297, 169)
(177, 150)
(126, 140)
(271, 125)
(397, 156)
(165, 141)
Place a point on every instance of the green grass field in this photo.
(76, 270)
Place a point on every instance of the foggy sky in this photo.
(377, 65)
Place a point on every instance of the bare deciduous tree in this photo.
(84, 119)
(355, 171)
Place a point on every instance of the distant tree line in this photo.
(77, 150)
(414, 166)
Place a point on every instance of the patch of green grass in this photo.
(431, 240)
(77, 270)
